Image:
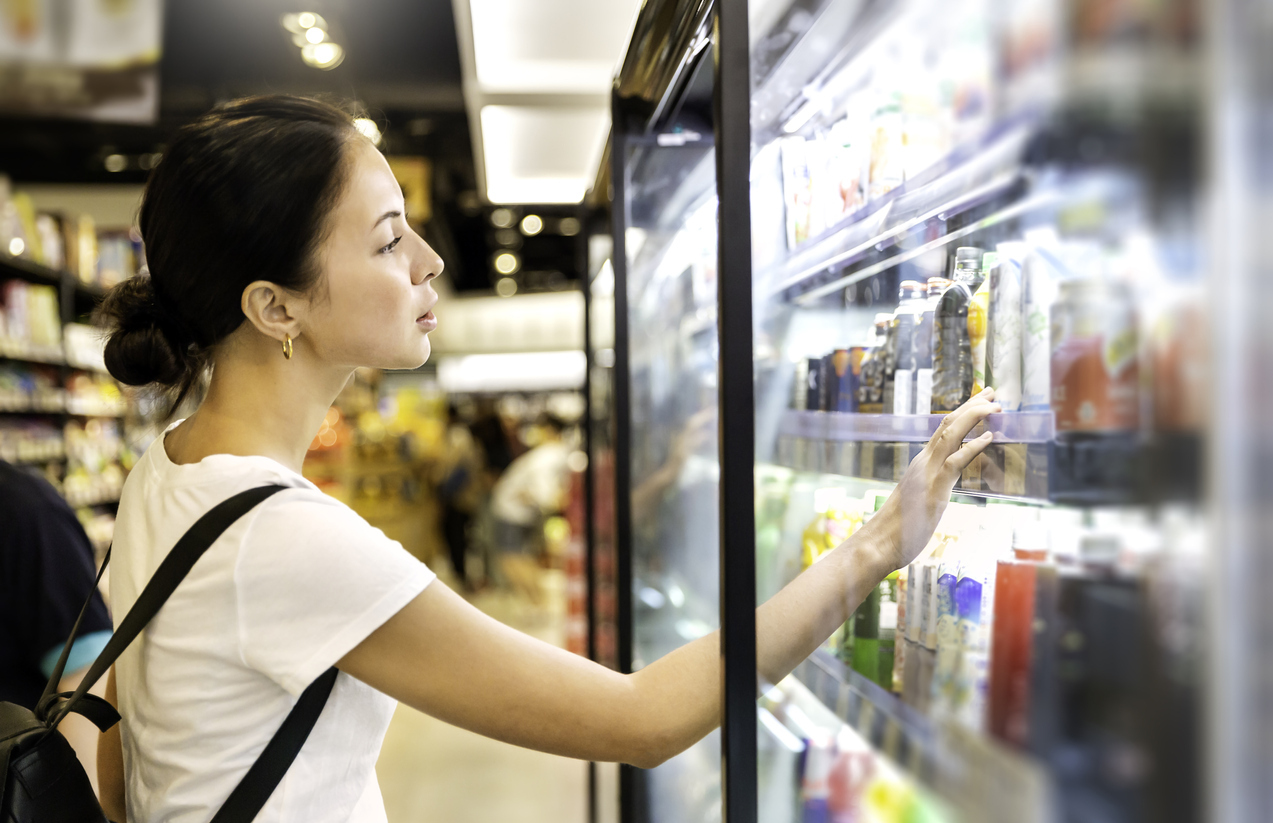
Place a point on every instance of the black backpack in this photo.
(41, 779)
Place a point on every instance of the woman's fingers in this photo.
(968, 451)
(956, 425)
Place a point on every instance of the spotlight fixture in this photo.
(17, 245)
(115, 162)
(532, 224)
(506, 287)
(569, 226)
(506, 262)
(311, 34)
(502, 218)
(325, 56)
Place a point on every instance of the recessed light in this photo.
(532, 224)
(115, 162)
(506, 262)
(506, 287)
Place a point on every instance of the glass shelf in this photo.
(1015, 427)
(978, 777)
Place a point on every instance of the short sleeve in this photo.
(313, 579)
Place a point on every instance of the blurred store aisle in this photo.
(431, 771)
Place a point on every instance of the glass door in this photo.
(947, 196)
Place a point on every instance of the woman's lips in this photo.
(427, 321)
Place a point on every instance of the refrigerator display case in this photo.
(948, 196)
(912, 201)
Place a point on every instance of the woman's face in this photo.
(374, 302)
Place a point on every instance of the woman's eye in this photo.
(389, 248)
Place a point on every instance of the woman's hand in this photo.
(912, 511)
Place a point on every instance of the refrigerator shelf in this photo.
(977, 776)
(965, 179)
(1008, 427)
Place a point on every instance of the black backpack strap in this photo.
(56, 677)
(172, 570)
(250, 796)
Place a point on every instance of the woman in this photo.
(280, 256)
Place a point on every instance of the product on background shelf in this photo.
(888, 149)
(952, 348)
(1004, 325)
(48, 229)
(978, 312)
(924, 346)
(813, 384)
(81, 247)
(848, 370)
(875, 363)
(800, 395)
(1094, 368)
(925, 127)
(30, 441)
(899, 386)
(30, 388)
(1012, 638)
(798, 190)
(31, 325)
(1038, 290)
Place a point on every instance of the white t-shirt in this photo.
(284, 593)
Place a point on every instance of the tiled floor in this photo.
(432, 772)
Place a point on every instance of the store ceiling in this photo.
(402, 63)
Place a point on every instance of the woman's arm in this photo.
(110, 763)
(444, 657)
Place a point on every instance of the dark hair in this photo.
(242, 194)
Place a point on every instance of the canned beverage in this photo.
(1094, 367)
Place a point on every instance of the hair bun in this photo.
(141, 349)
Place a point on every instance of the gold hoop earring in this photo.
(287, 346)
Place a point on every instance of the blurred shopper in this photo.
(46, 574)
(532, 488)
(280, 260)
(460, 483)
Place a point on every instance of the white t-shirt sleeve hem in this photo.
(359, 629)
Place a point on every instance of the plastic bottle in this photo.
(1038, 290)
(1012, 637)
(924, 338)
(978, 312)
(1004, 326)
(905, 318)
(952, 348)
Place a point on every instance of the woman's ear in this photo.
(273, 310)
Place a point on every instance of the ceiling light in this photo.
(506, 262)
(16, 246)
(315, 35)
(502, 218)
(534, 154)
(506, 287)
(298, 22)
(532, 225)
(115, 162)
(325, 56)
(568, 226)
(368, 129)
(549, 46)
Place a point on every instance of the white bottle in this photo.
(1038, 287)
(1004, 321)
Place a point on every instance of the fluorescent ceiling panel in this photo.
(541, 155)
(549, 46)
(514, 371)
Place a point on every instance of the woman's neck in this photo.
(258, 404)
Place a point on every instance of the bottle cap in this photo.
(968, 254)
(937, 285)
